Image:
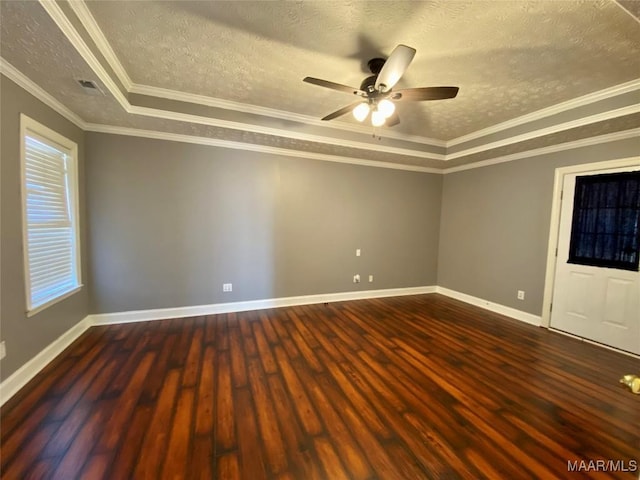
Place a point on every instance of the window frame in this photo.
(32, 128)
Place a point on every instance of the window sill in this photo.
(39, 308)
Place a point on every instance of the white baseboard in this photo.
(17, 380)
(193, 311)
(493, 307)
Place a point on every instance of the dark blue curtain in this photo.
(605, 231)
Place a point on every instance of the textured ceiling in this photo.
(509, 58)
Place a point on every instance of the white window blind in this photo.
(50, 211)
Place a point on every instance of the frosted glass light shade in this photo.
(386, 107)
(361, 112)
(377, 118)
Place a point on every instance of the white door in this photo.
(594, 302)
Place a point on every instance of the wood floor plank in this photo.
(157, 435)
(65, 383)
(228, 467)
(96, 467)
(350, 452)
(266, 356)
(77, 454)
(14, 441)
(28, 453)
(352, 394)
(66, 432)
(155, 379)
(297, 443)
(69, 399)
(419, 387)
(300, 399)
(125, 405)
(269, 331)
(122, 461)
(238, 367)
(251, 452)
(41, 470)
(305, 350)
(222, 328)
(201, 462)
(205, 406)
(276, 456)
(193, 362)
(373, 450)
(176, 458)
(225, 423)
(330, 459)
(209, 330)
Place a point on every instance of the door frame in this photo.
(560, 172)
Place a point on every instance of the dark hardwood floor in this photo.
(397, 388)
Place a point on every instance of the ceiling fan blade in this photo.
(394, 67)
(342, 111)
(333, 86)
(424, 93)
(393, 120)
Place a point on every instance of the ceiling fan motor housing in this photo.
(376, 64)
(369, 84)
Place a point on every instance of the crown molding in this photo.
(549, 111)
(274, 113)
(599, 117)
(627, 11)
(215, 142)
(69, 31)
(214, 122)
(584, 142)
(88, 21)
(30, 86)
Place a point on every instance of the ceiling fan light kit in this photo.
(386, 107)
(377, 90)
(361, 112)
(377, 118)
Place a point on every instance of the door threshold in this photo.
(593, 342)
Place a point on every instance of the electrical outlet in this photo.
(370, 278)
(357, 252)
(227, 287)
(356, 278)
(520, 294)
(3, 350)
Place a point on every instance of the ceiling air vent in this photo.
(90, 87)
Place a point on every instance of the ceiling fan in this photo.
(376, 91)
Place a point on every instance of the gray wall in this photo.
(495, 225)
(26, 337)
(171, 222)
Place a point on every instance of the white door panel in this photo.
(600, 304)
(618, 300)
(579, 291)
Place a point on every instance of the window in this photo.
(50, 215)
(605, 231)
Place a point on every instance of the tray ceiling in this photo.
(233, 70)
